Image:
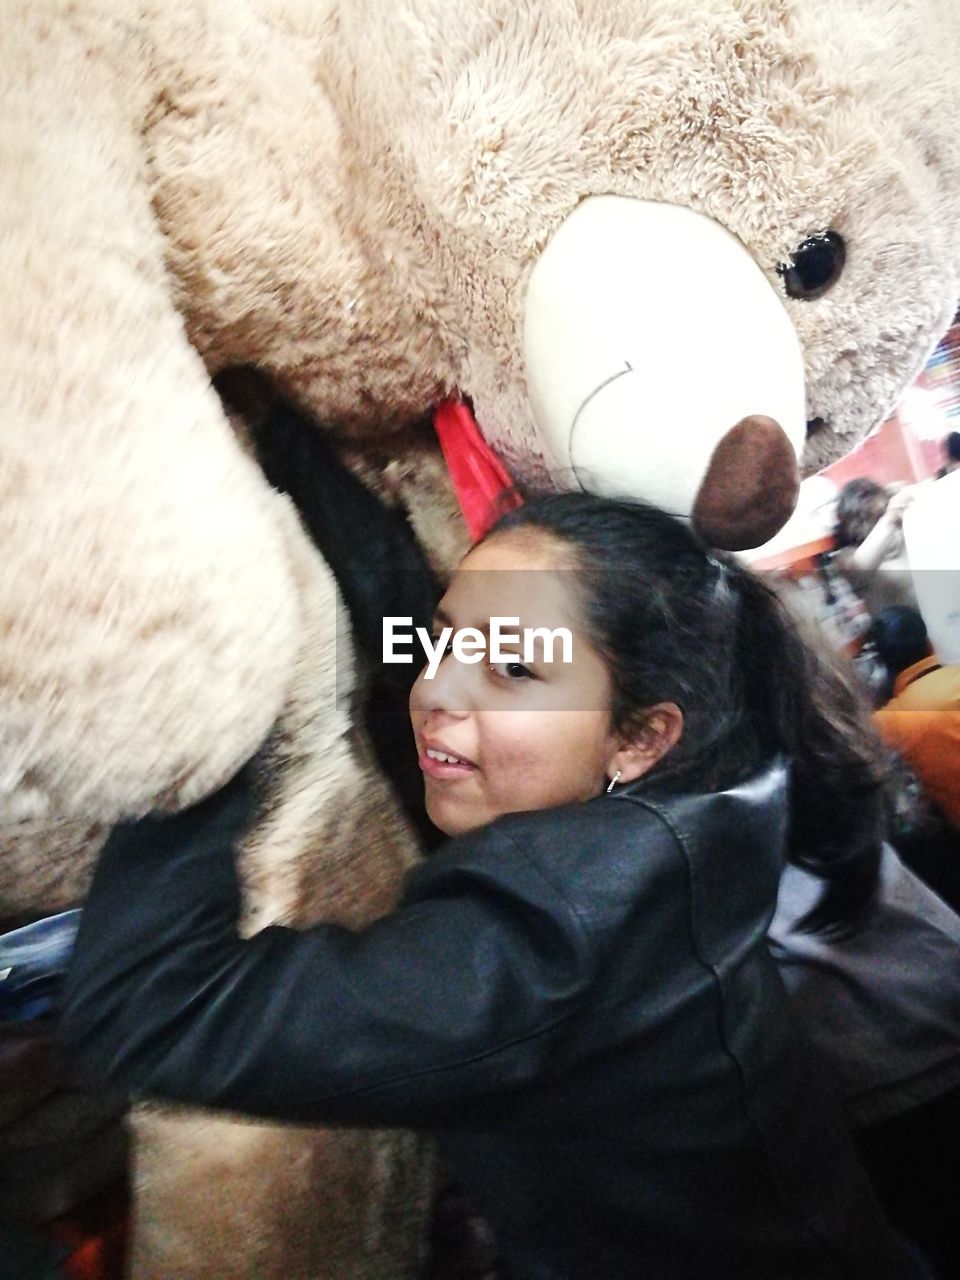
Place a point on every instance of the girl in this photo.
(576, 995)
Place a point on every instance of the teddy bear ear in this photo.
(661, 363)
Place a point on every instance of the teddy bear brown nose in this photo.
(751, 486)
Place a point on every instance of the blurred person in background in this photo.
(951, 454)
(921, 718)
(869, 539)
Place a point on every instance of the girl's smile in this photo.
(439, 763)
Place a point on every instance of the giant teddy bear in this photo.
(631, 231)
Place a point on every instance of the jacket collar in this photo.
(760, 796)
(735, 844)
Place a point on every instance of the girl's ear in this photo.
(637, 754)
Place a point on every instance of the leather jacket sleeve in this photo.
(458, 994)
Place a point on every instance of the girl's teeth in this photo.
(443, 757)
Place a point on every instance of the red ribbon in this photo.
(481, 482)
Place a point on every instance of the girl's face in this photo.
(497, 738)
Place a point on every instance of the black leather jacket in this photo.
(579, 1003)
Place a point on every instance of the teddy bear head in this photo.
(666, 250)
(635, 227)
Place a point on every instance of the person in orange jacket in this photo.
(921, 721)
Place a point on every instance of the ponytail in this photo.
(803, 704)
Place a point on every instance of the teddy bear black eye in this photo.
(816, 265)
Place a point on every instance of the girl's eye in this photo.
(448, 647)
(512, 669)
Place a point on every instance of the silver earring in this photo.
(614, 780)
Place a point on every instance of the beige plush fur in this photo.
(351, 194)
